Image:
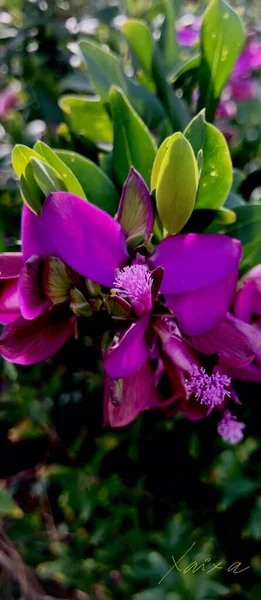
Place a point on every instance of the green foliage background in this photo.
(89, 513)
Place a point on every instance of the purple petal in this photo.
(9, 304)
(29, 342)
(178, 350)
(10, 264)
(136, 214)
(130, 353)
(137, 393)
(32, 301)
(85, 237)
(201, 310)
(248, 299)
(250, 373)
(200, 274)
(35, 236)
(236, 342)
(187, 36)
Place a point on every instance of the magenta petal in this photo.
(177, 349)
(9, 304)
(244, 302)
(88, 239)
(200, 310)
(32, 301)
(200, 274)
(29, 342)
(250, 373)
(10, 264)
(129, 353)
(136, 214)
(35, 236)
(236, 342)
(138, 393)
(192, 261)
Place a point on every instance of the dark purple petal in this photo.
(135, 393)
(129, 353)
(9, 304)
(136, 214)
(85, 237)
(29, 342)
(248, 299)
(32, 302)
(35, 236)
(177, 349)
(250, 373)
(10, 264)
(236, 342)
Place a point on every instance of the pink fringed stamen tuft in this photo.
(135, 283)
(207, 389)
(230, 429)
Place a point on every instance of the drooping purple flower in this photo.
(230, 429)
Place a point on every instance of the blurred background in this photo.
(89, 513)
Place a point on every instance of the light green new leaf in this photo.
(30, 191)
(140, 41)
(46, 177)
(216, 166)
(168, 40)
(105, 70)
(65, 173)
(176, 185)
(222, 39)
(97, 186)
(87, 116)
(133, 144)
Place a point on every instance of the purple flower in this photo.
(73, 240)
(8, 100)
(230, 429)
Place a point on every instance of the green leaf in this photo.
(46, 177)
(8, 507)
(176, 185)
(168, 40)
(247, 229)
(190, 65)
(105, 70)
(30, 192)
(222, 39)
(97, 186)
(140, 41)
(216, 168)
(88, 117)
(64, 172)
(133, 144)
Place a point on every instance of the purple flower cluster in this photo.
(170, 305)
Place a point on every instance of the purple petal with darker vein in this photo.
(137, 393)
(10, 264)
(9, 304)
(136, 214)
(85, 237)
(29, 342)
(35, 236)
(129, 353)
(236, 342)
(32, 301)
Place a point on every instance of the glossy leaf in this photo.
(88, 117)
(97, 186)
(30, 191)
(176, 185)
(105, 70)
(168, 40)
(186, 67)
(140, 41)
(222, 39)
(216, 167)
(70, 181)
(46, 177)
(133, 144)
